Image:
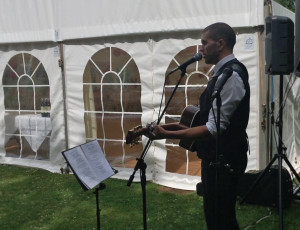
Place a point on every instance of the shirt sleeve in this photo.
(231, 96)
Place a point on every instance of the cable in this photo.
(259, 220)
(288, 88)
(287, 91)
(162, 97)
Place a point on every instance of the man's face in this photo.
(209, 49)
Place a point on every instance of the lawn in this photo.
(37, 199)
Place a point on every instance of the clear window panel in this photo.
(25, 81)
(17, 64)
(194, 82)
(26, 97)
(108, 103)
(93, 125)
(26, 151)
(176, 160)
(130, 74)
(131, 98)
(197, 79)
(177, 103)
(43, 149)
(11, 122)
(114, 152)
(132, 153)
(27, 132)
(119, 59)
(194, 164)
(102, 60)
(92, 97)
(41, 93)
(40, 76)
(91, 73)
(11, 98)
(9, 77)
(193, 95)
(112, 98)
(30, 63)
(111, 78)
(12, 146)
(112, 126)
(131, 120)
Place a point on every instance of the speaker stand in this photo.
(279, 156)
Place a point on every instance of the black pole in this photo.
(141, 165)
(143, 184)
(96, 192)
(280, 152)
(218, 161)
(149, 142)
(280, 155)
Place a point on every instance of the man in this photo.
(219, 193)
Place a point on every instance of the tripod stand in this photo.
(280, 156)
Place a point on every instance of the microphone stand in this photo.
(219, 156)
(140, 161)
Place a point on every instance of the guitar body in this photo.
(189, 118)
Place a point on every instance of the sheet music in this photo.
(97, 160)
(89, 163)
(80, 165)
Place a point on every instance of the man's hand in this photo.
(156, 132)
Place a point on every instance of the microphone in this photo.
(182, 67)
(227, 72)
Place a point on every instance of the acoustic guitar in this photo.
(189, 118)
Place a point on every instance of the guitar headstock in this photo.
(134, 135)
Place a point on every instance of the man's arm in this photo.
(198, 132)
(173, 126)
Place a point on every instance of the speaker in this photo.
(266, 191)
(279, 45)
(297, 39)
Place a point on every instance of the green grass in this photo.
(37, 199)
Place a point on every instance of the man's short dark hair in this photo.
(222, 30)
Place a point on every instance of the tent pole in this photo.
(61, 65)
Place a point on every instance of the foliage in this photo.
(290, 4)
(37, 199)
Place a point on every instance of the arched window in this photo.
(27, 123)
(112, 100)
(191, 87)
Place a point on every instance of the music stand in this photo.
(280, 156)
(90, 168)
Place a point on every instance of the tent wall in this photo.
(47, 54)
(152, 39)
(152, 56)
(55, 20)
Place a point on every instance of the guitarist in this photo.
(218, 41)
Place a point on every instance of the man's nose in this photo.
(201, 48)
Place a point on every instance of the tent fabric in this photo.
(47, 56)
(54, 20)
(152, 34)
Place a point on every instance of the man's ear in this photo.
(221, 44)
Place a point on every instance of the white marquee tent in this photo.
(102, 65)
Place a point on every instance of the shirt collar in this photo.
(222, 62)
